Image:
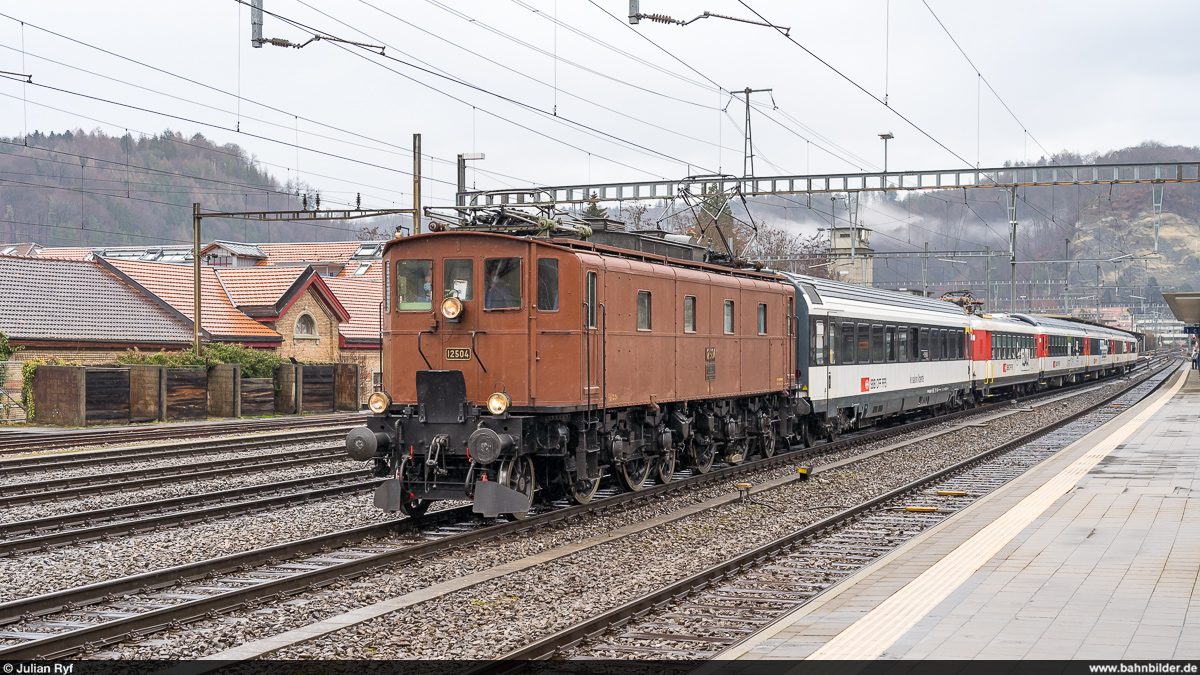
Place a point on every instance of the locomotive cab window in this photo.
(591, 299)
(503, 278)
(547, 284)
(643, 312)
(728, 316)
(414, 279)
(689, 314)
(762, 319)
(458, 277)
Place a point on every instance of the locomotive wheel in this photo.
(806, 434)
(517, 474)
(664, 467)
(582, 491)
(633, 473)
(767, 445)
(704, 454)
(414, 508)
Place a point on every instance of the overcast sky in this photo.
(1080, 76)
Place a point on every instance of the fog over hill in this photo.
(90, 189)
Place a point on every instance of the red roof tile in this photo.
(65, 253)
(360, 298)
(310, 252)
(258, 285)
(173, 285)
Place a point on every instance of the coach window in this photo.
(818, 342)
(689, 314)
(924, 348)
(547, 284)
(414, 279)
(762, 319)
(902, 343)
(591, 299)
(502, 276)
(962, 345)
(643, 310)
(848, 345)
(864, 343)
(914, 344)
(729, 316)
(934, 352)
(457, 278)
(944, 344)
(889, 343)
(877, 352)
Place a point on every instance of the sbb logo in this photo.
(872, 383)
(866, 384)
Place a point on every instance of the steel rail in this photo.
(574, 635)
(69, 488)
(141, 453)
(149, 622)
(13, 441)
(39, 541)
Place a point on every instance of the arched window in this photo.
(305, 325)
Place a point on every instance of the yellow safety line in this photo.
(871, 635)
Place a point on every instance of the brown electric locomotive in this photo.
(515, 367)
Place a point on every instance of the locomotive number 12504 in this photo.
(458, 353)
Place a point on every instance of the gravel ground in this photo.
(493, 618)
(118, 464)
(33, 574)
(44, 509)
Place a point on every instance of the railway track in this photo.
(717, 608)
(56, 489)
(15, 466)
(126, 608)
(20, 440)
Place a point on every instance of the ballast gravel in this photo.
(493, 618)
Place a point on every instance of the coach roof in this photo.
(836, 289)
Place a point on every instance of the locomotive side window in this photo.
(848, 346)
(877, 353)
(547, 284)
(864, 343)
(387, 288)
(503, 278)
(762, 319)
(643, 310)
(818, 342)
(689, 314)
(591, 299)
(414, 287)
(787, 319)
(458, 277)
(729, 316)
(902, 343)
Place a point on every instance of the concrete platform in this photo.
(1093, 554)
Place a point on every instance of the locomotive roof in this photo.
(827, 288)
(580, 245)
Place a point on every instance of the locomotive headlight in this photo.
(498, 403)
(379, 402)
(452, 308)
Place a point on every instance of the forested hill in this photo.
(90, 189)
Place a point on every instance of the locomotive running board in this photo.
(493, 499)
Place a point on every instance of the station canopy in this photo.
(1185, 305)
